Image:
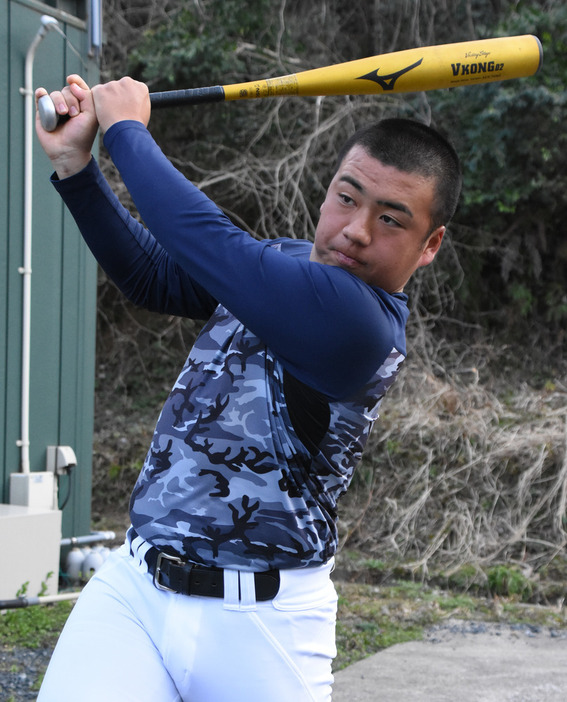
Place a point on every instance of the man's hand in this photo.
(124, 99)
(69, 146)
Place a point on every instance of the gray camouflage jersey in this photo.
(256, 441)
(226, 481)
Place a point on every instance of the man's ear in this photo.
(431, 246)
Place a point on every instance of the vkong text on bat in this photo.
(467, 69)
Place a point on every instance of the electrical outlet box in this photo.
(60, 459)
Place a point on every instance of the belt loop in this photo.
(231, 590)
(247, 592)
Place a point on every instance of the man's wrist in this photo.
(67, 167)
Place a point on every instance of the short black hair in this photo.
(413, 147)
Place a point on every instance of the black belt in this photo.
(176, 575)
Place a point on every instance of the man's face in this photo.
(375, 222)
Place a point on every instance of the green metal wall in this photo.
(64, 274)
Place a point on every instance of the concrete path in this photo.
(463, 662)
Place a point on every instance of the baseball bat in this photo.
(426, 68)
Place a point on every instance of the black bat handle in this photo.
(169, 98)
(192, 96)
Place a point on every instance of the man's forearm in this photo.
(127, 251)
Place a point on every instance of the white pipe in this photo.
(47, 23)
(95, 28)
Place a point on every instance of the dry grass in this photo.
(459, 473)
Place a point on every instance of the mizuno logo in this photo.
(388, 82)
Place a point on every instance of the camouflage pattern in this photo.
(226, 481)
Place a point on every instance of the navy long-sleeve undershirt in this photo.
(327, 327)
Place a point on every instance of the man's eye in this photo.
(390, 220)
(347, 199)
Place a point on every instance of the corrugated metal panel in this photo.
(4, 239)
(63, 279)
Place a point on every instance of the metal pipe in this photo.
(93, 538)
(47, 23)
(21, 602)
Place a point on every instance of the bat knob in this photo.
(47, 113)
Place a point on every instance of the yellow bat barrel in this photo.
(426, 68)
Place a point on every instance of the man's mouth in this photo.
(346, 261)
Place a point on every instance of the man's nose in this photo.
(359, 230)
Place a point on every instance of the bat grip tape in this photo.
(193, 96)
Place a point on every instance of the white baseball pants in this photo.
(128, 641)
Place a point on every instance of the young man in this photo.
(222, 590)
